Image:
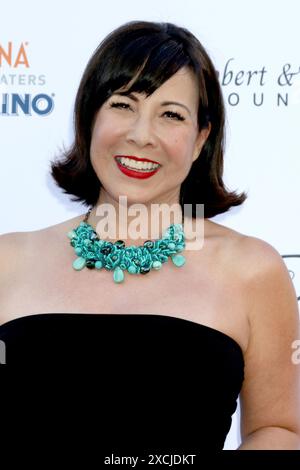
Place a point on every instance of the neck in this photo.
(131, 222)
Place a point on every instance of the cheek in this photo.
(102, 133)
(180, 147)
(103, 137)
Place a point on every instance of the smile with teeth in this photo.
(136, 165)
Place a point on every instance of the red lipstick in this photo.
(135, 173)
(137, 159)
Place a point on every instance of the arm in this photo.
(12, 248)
(270, 408)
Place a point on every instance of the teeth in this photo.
(135, 165)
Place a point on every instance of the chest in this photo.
(199, 288)
(206, 290)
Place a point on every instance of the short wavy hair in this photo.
(144, 55)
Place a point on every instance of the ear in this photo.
(200, 141)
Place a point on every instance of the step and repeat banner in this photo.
(44, 47)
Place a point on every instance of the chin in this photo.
(135, 198)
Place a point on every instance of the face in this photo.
(143, 147)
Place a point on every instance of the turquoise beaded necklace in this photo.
(93, 252)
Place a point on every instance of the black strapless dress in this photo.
(137, 380)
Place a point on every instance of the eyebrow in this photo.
(167, 103)
(164, 103)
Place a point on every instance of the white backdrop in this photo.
(255, 47)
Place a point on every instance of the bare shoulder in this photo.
(12, 245)
(250, 254)
(272, 300)
(265, 273)
(12, 239)
(260, 258)
(26, 259)
(257, 263)
(58, 230)
(18, 245)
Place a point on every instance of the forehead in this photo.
(183, 81)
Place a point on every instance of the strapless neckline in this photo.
(87, 316)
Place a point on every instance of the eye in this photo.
(172, 115)
(119, 105)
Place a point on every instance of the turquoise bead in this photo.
(71, 234)
(78, 251)
(79, 263)
(131, 269)
(98, 265)
(118, 275)
(156, 265)
(178, 260)
(171, 246)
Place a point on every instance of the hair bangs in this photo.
(161, 63)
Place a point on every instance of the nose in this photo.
(141, 132)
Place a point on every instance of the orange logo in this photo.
(13, 55)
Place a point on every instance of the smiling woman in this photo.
(153, 76)
(171, 349)
(164, 131)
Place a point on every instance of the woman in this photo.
(176, 341)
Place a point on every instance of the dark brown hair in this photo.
(149, 53)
